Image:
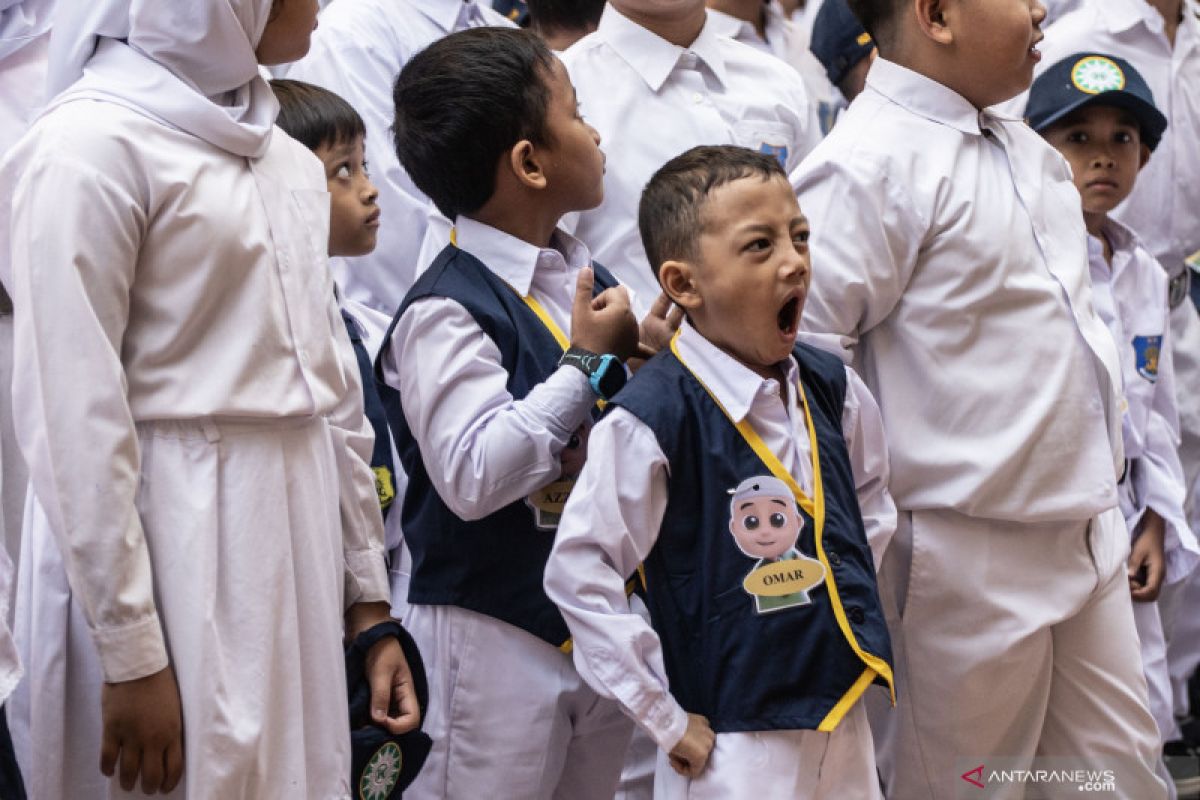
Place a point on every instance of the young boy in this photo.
(491, 415)
(561, 23)
(330, 127)
(656, 79)
(1098, 112)
(843, 47)
(732, 469)
(954, 272)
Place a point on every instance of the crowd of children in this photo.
(637, 399)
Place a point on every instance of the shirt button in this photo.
(835, 559)
(856, 615)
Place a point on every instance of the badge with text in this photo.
(1146, 350)
(547, 503)
(766, 525)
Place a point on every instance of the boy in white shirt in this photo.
(490, 415)
(732, 470)
(656, 79)
(954, 272)
(357, 51)
(1098, 112)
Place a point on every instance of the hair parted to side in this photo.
(462, 103)
(879, 17)
(670, 214)
(314, 116)
(564, 15)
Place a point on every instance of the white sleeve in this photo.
(862, 428)
(76, 235)
(365, 569)
(865, 238)
(609, 525)
(1158, 476)
(481, 448)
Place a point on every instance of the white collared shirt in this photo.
(1131, 298)
(651, 100)
(357, 51)
(614, 514)
(952, 266)
(482, 449)
(1164, 207)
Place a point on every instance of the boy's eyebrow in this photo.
(745, 506)
(778, 502)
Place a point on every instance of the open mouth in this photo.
(788, 318)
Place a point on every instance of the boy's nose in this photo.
(372, 193)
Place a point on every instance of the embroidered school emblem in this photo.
(780, 152)
(382, 773)
(385, 487)
(1096, 74)
(1146, 349)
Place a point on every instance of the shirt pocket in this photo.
(772, 137)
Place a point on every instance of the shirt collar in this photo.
(514, 260)
(734, 385)
(443, 13)
(1122, 15)
(651, 56)
(728, 25)
(923, 96)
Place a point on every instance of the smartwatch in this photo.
(605, 373)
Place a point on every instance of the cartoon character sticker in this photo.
(766, 525)
(547, 503)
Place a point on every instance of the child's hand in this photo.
(393, 697)
(143, 727)
(1147, 555)
(660, 325)
(691, 754)
(605, 323)
(574, 455)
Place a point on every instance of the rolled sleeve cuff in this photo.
(366, 578)
(131, 651)
(666, 724)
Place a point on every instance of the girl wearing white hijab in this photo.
(188, 404)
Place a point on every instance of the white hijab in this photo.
(21, 22)
(188, 63)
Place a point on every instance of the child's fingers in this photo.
(110, 749)
(675, 318)
(173, 763)
(379, 675)
(583, 287)
(131, 763)
(152, 769)
(408, 715)
(662, 305)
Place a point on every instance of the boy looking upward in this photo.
(733, 468)
(954, 272)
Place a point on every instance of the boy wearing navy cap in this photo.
(746, 474)
(1099, 113)
(843, 46)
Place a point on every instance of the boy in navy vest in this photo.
(494, 365)
(748, 690)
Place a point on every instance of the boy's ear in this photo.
(932, 19)
(675, 277)
(1145, 153)
(526, 166)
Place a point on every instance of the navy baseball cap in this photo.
(839, 41)
(1087, 79)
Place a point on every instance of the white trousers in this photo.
(244, 535)
(1012, 642)
(1180, 607)
(509, 715)
(782, 765)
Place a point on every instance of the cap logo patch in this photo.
(382, 773)
(863, 38)
(1096, 74)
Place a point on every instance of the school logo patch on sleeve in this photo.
(1146, 349)
(382, 773)
(1096, 74)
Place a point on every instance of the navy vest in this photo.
(492, 565)
(381, 456)
(744, 670)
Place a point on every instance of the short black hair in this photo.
(462, 103)
(564, 15)
(315, 117)
(879, 17)
(670, 212)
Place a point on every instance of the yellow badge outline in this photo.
(1088, 61)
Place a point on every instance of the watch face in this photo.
(611, 377)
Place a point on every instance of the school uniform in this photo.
(651, 100)
(649, 497)
(367, 328)
(187, 402)
(357, 51)
(483, 416)
(959, 286)
(1131, 299)
(1162, 210)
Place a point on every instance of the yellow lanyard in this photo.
(816, 509)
